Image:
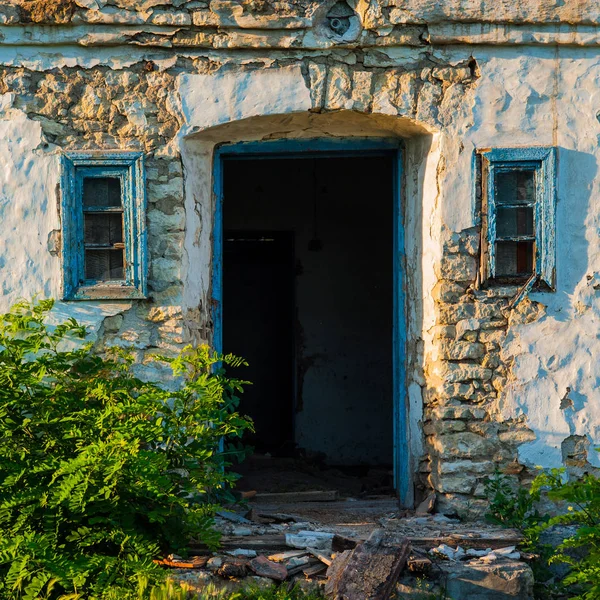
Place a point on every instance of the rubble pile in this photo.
(267, 547)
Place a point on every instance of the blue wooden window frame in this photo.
(128, 167)
(542, 162)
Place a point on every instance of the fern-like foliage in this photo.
(100, 472)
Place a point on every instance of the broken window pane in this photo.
(515, 187)
(104, 265)
(103, 229)
(514, 259)
(512, 222)
(101, 192)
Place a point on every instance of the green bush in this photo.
(511, 505)
(582, 550)
(100, 472)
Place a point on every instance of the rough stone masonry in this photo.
(490, 381)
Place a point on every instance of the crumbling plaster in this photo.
(485, 383)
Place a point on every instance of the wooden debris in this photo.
(282, 556)
(300, 568)
(324, 559)
(248, 495)
(293, 497)
(427, 506)
(420, 565)
(316, 569)
(340, 543)
(465, 541)
(371, 570)
(264, 567)
(196, 562)
(261, 543)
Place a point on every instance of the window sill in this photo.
(108, 292)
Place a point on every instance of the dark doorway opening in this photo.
(259, 287)
(308, 301)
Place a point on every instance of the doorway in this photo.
(309, 280)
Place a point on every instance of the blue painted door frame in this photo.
(323, 148)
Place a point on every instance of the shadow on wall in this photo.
(577, 173)
(555, 374)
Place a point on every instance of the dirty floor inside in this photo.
(268, 474)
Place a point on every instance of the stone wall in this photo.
(487, 384)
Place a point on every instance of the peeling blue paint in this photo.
(542, 161)
(128, 167)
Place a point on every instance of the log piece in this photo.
(371, 570)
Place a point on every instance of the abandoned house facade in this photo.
(391, 208)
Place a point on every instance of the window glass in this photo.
(515, 222)
(104, 249)
(104, 265)
(102, 191)
(515, 187)
(514, 259)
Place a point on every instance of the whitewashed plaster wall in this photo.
(525, 96)
(30, 259)
(530, 97)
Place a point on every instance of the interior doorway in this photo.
(308, 286)
(258, 286)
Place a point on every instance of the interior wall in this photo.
(343, 330)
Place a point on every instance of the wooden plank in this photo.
(281, 556)
(196, 562)
(293, 497)
(371, 570)
(300, 568)
(260, 543)
(480, 543)
(314, 570)
(324, 559)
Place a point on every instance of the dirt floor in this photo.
(266, 474)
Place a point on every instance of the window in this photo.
(518, 216)
(104, 232)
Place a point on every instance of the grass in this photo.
(172, 591)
